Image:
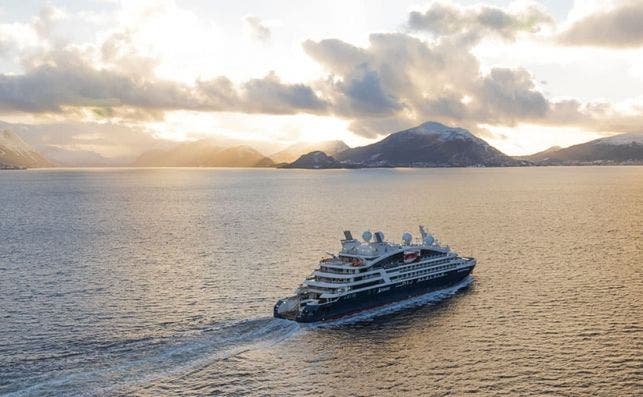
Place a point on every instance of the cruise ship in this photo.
(373, 272)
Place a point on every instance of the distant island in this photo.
(436, 145)
(618, 149)
(430, 144)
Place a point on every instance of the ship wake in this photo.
(128, 365)
(135, 363)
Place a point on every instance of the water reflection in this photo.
(162, 281)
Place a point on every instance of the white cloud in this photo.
(256, 28)
(472, 66)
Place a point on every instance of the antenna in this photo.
(423, 232)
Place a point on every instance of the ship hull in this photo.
(375, 297)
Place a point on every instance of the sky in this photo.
(117, 77)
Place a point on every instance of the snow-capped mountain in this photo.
(617, 149)
(14, 152)
(428, 145)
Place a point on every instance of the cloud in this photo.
(64, 81)
(507, 95)
(474, 22)
(270, 95)
(68, 81)
(257, 28)
(45, 22)
(395, 81)
(618, 26)
(361, 93)
(400, 80)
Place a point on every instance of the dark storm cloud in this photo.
(621, 26)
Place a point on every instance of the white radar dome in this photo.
(407, 238)
(367, 236)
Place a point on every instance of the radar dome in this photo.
(429, 240)
(407, 238)
(367, 236)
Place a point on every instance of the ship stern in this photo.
(287, 308)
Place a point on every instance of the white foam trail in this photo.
(179, 356)
(195, 350)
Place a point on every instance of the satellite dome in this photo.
(407, 238)
(367, 236)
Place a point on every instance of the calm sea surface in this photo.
(162, 281)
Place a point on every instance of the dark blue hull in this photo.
(359, 301)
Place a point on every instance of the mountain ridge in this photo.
(616, 149)
(16, 153)
(294, 151)
(203, 153)
(430, 144)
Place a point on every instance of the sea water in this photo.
(162, 282)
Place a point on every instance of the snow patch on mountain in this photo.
(442, 131)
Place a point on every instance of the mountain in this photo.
(203, 153)
(316, 160)
(291, 153)
(428, 145)
(78, 158)
(540, 155)
(617, 149)
(16, 153)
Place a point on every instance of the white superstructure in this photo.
(374, 266)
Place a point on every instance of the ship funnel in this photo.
(348, 235)
(379, 237)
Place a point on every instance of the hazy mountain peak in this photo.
(553, 148)
(204, 153)
(298, 149)
(11, 141)
(622, 139)
(16, 152)
(617, 149)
